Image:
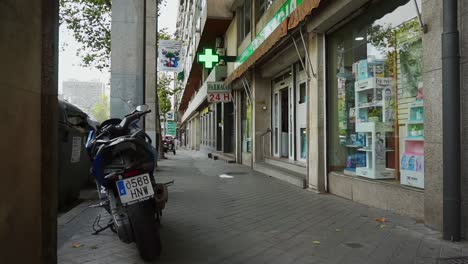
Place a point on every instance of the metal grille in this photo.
(459, 260)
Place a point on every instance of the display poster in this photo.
(409, 46)
(170, 116)
(170, 56)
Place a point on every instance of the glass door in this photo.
(301, 115)
(291, 122)
(276, 122)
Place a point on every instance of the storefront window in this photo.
(263, 7)
(244, 19)
(375, 106)
(246, 124)
(303, 143)
(302, 93)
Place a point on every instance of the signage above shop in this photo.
(219, 97)
(208, 58)
(218, 87)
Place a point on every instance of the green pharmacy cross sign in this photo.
(208, 58)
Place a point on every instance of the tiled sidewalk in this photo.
(253, 218)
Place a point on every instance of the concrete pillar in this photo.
(197, 132)
(150, 69)
(237, 118)
(127, 56)
(432, 79)
(261, 89)
(316, 114)
(29, 86)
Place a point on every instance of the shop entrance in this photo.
(283, 117)
(289, 121)
(228, 128)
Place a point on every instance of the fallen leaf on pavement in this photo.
(77, 245)
(380, 220)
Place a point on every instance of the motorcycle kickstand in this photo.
(96, 223)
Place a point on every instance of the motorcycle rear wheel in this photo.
(145, 229)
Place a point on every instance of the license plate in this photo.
(137, 188)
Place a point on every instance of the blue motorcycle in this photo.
(123, 161)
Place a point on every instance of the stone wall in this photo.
(316, 113)
(432, 79)
(29, 86)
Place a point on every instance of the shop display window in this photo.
(375, 114)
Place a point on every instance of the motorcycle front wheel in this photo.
(145, 229)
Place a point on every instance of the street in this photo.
(247, 217)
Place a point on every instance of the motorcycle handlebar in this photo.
(123, 126)
(131, 118)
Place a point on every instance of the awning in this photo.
(291, 22)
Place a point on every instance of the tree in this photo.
(90, 23)
(164, 92)
(101, 110)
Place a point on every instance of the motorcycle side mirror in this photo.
(142, 108)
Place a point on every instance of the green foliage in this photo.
(164, 93)
(163, 34)
(101, 110)
(90, 23)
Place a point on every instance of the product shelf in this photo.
(412, 159)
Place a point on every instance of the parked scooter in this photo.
(123, 162)
(168, 145)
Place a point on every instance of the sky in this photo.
(69, 62)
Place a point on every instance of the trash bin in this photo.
(74, 163)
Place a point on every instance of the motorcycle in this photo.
(123, 162)
(168, 145)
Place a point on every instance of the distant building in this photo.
(83, 94)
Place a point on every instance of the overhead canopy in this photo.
(290, 22)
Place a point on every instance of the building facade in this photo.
(344, 97)
(204, 125)
(83, 94)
